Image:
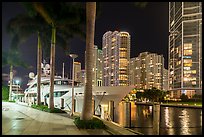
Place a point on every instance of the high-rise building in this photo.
(132, 71)
(83, 76)
(147, 71)
(185, 48)
(97, 66)
(77, 71)
(116, 57)
(165, 79)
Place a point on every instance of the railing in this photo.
(100, 101)
(67, 104)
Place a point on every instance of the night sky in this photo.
(148, 28)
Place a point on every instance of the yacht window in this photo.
(45, 84)
(64, 82)
(58, 82)
(35, 85)
(57, 94)
(47, 95)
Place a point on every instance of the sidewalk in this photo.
(19, 119)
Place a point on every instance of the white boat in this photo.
(63, 90)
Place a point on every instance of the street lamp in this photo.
(17, 82)
(73, 56)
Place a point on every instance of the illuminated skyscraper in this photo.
(77, 71)
(147, 71)
(185, 48)
(97, 67)
(165, 79)
(116, 57)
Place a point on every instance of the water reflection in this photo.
(173, 121)
(201, 118)
(184, 122)
(168, 121)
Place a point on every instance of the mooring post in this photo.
(93, 106)
(111, 109)
(156, 118)
(62, 103)
(127, 114)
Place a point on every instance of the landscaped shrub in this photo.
(12, 101)
(46, 109)
(5, 92)
(89, 124)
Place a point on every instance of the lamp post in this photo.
(73, 56)
(17, 82)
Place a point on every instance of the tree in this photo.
(139, 95)
(21, 28)
(184, 97)
(47, 13)
(154, 94)
(67, 17)
(39, 61)
(5, 92)
(12, 58)
(90, 28)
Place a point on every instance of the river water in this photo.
(173, 120)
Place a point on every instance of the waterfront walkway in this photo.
(20, 119)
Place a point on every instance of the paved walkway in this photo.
(23, 120)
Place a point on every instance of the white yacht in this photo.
(63, 90)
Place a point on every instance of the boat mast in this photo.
(63, 71)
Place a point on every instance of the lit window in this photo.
(188, 46)
(187, 62)
(193, 82)
(186, 79)
(187, 52)
(193, 71)
(187, 68)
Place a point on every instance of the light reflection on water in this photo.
(173, 121)
(184, 122)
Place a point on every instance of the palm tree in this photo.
(90, 28)
(67, 26)
(12, 58)
(39, 61)
(26, 27)
(21, 27)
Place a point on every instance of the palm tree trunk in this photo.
(11, 82)
(52, 71)
(90, 28)
(39, 70)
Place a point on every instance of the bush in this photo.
(89, 124)
(13, 101)
(5, 92)
(184, 98)
(46, 109)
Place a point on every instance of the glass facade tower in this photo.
(185, 48)
(116, 57)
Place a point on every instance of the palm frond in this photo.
(13, 57)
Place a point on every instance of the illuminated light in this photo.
(193, 82)
(186, 79)
(187, 64)
(187, 57)
(172, 23)
(187, 68)
(193, 71)
(188, 46)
